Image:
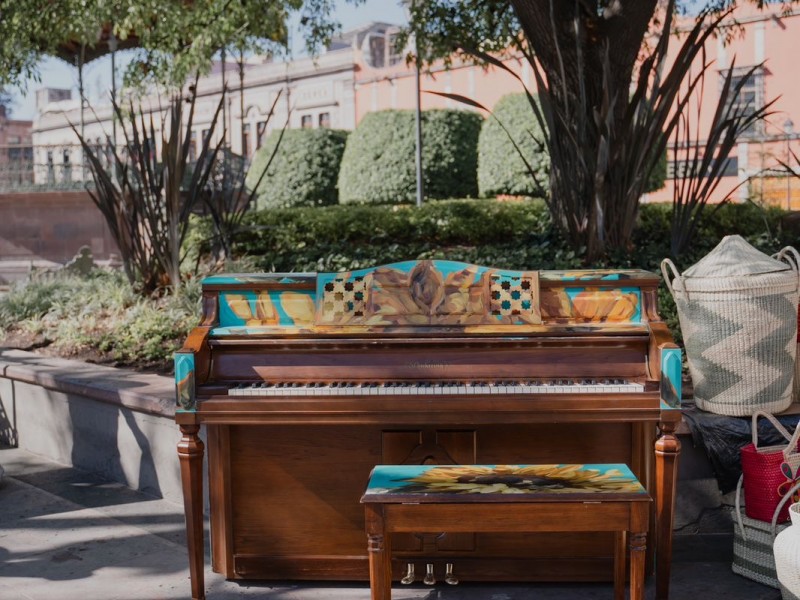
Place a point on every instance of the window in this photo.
(193, 146)
(246, 139)
(204, 135)
(395, 51)
(306, 122)
(750, 97)
(377, 50)
(325, 119)
(261, 131)
(66, 165)
(679, 168)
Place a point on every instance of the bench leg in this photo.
(379, 548)
(638, 545)
(620, 551)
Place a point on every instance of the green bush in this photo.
(304, 171)
(513, 234)
(378, 166)
(501, 170)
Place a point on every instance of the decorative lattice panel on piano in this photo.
(428, 293)
(344, 299)
(515, 298)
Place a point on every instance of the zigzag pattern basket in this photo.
(738, 313)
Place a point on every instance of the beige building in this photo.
(310, 92)
(362, 72)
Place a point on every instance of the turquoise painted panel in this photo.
(245, 278)
(631, 275)
(671, 381)
(237, 309)
(572, 293)
(184, 380)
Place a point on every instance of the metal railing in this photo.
(63, 167)
(44, 168)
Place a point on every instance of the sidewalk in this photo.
(68, 535)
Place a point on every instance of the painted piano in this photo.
(305, 381)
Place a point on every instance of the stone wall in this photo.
(51, 226)
(116, 423)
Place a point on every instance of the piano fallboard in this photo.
(466, 359)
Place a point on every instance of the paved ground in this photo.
(67, 535)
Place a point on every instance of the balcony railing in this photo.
(43, 168)
(62, 167)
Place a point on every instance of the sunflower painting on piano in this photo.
(504, 479)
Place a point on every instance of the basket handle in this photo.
(781, 504)
(665, 264)
(792, 439)
(790, 256)
(737, 506)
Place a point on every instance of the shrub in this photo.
(501, 170)
(378, 166)
(304, 171)
(102, 314)
(344, 237)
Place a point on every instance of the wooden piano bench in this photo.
(506, 498)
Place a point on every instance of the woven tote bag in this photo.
(738, 313)
(752, 542)
(766, 479)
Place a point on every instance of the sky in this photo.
(97, 74)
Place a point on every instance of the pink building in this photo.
(383, 81)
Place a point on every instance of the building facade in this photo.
(15, 150)
(362, 72)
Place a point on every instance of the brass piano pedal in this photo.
(408, 578)
(449, 578)
(429, 577)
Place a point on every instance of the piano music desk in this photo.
(506, 498)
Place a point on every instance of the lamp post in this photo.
(112, 45)
(409, 9)
(788, 128)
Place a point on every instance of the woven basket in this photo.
(738, 314)
(752, 544)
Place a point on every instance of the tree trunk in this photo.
(587, 53)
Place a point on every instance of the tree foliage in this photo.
(604, 142)
(177, 38)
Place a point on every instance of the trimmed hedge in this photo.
(501, 170)
(304, 171)
(378, 166)
(514, 235)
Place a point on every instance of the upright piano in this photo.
(304, 382)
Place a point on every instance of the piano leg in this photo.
(667, 449)
(190, 453)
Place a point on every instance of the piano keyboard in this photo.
(417, 388)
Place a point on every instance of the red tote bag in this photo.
(769, 472)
